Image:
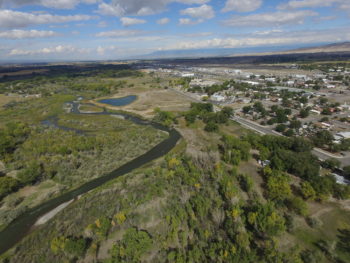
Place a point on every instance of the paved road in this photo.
(322, 155)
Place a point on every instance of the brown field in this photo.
(7, 99)
(148, 99)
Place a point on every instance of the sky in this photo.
(49, 30)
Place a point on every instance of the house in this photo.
(343, 135)
(187, 75)
(340, 179)
(217, 97)
(253, 83)
(315, 111)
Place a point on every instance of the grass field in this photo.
(150, 96)
(4, 99)
(89, 108)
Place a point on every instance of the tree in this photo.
(7, 186)
(211, 127)
(246, 109)
(307, 191)
(265, 220)
(289, 133)
(31, 174)
(234, 149)
(304, 113)
(331, 163)
(134, 244)
(323, 100)
(258, 107)
(164, 117)
(347, 171)
(297, 205)
(228, 111)
(303, 99)
(344, 240)
(326, 111)
(190, 117)
(281, 127)
(75, 246)
(246, 182)
(322, 138)
(278, 188)
(295, 124)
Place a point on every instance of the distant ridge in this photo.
(247, 51)
(329, 48)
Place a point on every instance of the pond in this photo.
(119, 101)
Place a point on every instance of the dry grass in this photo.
(149, 98)
(7, 99)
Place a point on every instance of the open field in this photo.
(149, 97)
(4, 99)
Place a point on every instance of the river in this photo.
(22, 225)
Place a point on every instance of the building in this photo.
(202, 83)
(342, 135)
(217, 97)
(187, 75)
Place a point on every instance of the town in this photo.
(297, 100)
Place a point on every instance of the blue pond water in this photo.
(119, 101)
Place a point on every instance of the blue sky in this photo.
(115, 29)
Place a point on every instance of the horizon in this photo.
(102, 30)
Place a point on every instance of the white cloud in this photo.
(59, 4)
(110, 10)
(270, 19)
(103, 50)
(140, 7)
(102, 24)
(297, 37)
(163, 21)
(128, 21)
(60, 49)
(188, 21)
(268, 32)
(15, 19)
(242, 6)
(309, 3)
(20, 34)
(201, 12)
(200, 34)
(119, 33)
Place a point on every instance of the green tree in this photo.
(298, 205)
(7, 186)
(278, 187)
(331, 163)
(75, 246)
(307, 191)
(281, 127)
(211, 127)
(304, 113)
(265, 220)
(134, 244)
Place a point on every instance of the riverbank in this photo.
(19, 227)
